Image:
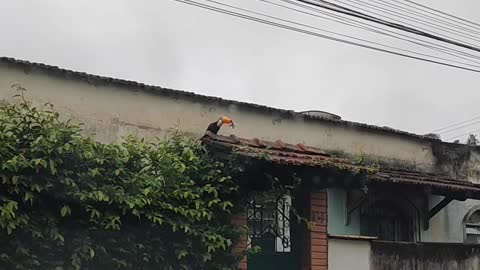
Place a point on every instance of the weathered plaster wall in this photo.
(447, 225)
(424, 256)
(348, 254)
(377, 255)
(112, 111)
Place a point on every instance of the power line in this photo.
(461, 127)
(439, 19)
(307, 32)
(468, 133)
(411, 18)
(441, 12)
(406, 24)
(341, 9)
(456, 124)
(335, 33)
(375, 29)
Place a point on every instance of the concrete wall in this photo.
(112, 111)
(447, 225)
(377, 255)
(348, 254)
(425, 256)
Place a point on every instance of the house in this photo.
(379, 198)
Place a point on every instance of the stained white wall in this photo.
(112, 111)
(348, 254)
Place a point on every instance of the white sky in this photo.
(170, 44)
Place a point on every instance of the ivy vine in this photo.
(69, 202)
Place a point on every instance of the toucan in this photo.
(215, 126)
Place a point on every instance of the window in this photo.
(384, 220)
(393, 219)
(472, 226)
(269, 224)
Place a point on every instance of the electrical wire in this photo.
(461, 127)
(375, 29)
(440, 12)
(456, 124)
(343, 10)
(311, 33)
(458, 32)
(449, 22)
(335, 33)
(468, 133)
(368, 12)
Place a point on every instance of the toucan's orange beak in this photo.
(228, 121)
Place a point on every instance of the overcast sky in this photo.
(170, 44)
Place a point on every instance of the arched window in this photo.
(390, 217)
(472, 225)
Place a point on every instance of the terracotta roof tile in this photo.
(301, 155)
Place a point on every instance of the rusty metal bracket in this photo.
(350, 207)
(437, 208)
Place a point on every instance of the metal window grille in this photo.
(270, 220)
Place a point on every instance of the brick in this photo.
(322, 209)
(319, 228)
(321, 249)
(317, 203)
(317, 235)
(319, 262)
(240, 220)
(242, 265)
(319, 242)
(318, 195)
(318, 268)
(319, 255)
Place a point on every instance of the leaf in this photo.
(60, 237)
(15, 180)
(206, 257)
(65, 211)
(92, 253)
(182, 254)
(28, 197)
(101, 196)
(53, 170)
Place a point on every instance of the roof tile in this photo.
(302, 155)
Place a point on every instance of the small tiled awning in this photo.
(438, 183)
(277, 152)
(301, 155)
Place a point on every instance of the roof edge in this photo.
(96, 79)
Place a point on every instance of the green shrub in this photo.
(69, 202)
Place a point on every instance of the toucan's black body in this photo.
(214, 127)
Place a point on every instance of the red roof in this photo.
(301, 155)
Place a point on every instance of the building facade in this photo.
(424, 199)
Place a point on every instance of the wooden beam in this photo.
(437, 208)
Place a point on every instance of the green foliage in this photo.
(69, 202)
